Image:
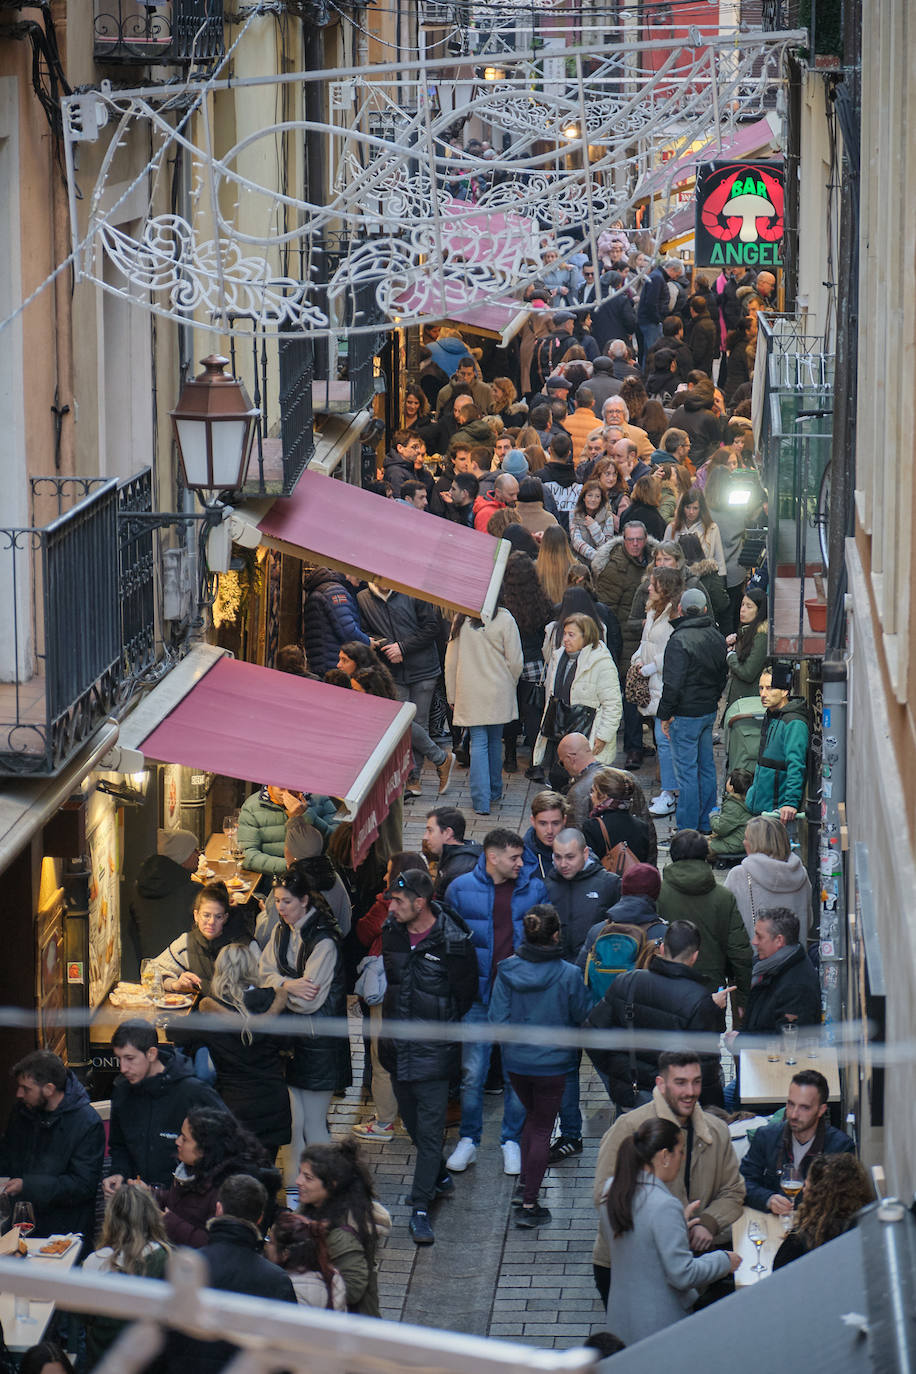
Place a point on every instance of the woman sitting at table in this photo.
(134, 1242)
(187, 964)
(655, 1274)
(210, 1146)
(836, 1188)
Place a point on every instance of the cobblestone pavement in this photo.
(484, 1276)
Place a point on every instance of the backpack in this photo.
(618, 858)
(619, 948)
(547, 355)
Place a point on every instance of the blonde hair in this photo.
(235, 970)
(500, 521)
(767, 835)
(586, 625)
(132, 1222)
(613, 782)
(554, 560)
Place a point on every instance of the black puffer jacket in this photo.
(456, 859)
(404, 620)
(146, 1118)
(329, 619)
(435, 980)
(162, 905)
(665, 996)
(58, 1155)
(694, 671)
(319, 1063)
(581, 902)
(792, 990)
(697, 418)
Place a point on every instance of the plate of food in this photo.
(170, 1001)
(130, 995)
(236, 884)
(203, 875)
(55, 1247)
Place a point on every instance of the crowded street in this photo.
(457, 760)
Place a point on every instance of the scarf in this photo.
(566, 672)
(765, 967)
(610, 804)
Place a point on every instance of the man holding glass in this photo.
(785, 1149)
(53, 1146)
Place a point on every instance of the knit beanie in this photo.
(177, 845)
(642, 880)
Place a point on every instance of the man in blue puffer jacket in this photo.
(492, 900)
(330, 618)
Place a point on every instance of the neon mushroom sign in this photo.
(740, 219)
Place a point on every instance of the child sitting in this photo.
(728, 826)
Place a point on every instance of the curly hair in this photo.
(523, 596)
(226, 1147)
(836, 1188)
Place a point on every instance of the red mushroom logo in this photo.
(746, 204)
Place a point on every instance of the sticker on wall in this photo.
(76, 974)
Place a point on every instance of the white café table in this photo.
(764, 1080)
(21, 1335)
(775, 1235)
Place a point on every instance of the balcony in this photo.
(180, 33)
(77, 613)
(796, 434)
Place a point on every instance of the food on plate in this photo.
(174, 999)
(58, 1246)
(235, 883)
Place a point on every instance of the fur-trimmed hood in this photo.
(704, 568)
(603, 554)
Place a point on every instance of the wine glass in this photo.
(24, 1218)
(230, 826)
(790, 1183)
(757, 1236)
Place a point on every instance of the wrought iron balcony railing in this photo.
(77, 608)
(279, 374)
(168, 32)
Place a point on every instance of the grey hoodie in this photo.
(761, 881)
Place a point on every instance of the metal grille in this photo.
(295, 356)
(136, 576)
(183, 32)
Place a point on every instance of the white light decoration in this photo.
(425, 225)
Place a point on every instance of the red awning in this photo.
(262, 726)
(340, 526)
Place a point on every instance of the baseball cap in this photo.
(693, 600)
(563, 316)
(558, 383)
(413, 880)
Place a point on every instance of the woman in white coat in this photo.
(582, 693)
(665, 587)
(693, 517)
(771, 875)
(483, 664)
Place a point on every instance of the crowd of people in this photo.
(625, 479)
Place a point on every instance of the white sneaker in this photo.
(512, 1158)
(663, 804)
(464, 1153)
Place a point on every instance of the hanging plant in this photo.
(236, 588)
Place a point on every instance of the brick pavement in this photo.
(483, 1276)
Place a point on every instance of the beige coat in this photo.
(715, 1180)
(482, 667)
(711, 540)
(534, 517)
(597, 684)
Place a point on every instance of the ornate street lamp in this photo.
(214, 423)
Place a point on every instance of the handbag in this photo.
(371, 983)
(755, 542)
(561, 719)
(636, 687)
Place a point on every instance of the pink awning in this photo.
(262, 726)
(339, 526)
(749, 139)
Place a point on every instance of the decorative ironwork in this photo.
(295, 359)
(173, 32)
(426, 224)
(136, 576)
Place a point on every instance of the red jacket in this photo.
(369, 927)
(484, 507)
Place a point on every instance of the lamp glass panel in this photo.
(228, 442)
(192, 435)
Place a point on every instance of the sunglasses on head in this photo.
(401, 885)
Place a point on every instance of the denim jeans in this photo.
(694, 768)
(421, 694)
(570, 1113)
(665, 761)
(475, 1061)
(646, 335)
(486, 771)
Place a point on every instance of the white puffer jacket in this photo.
(656, 632)
(596, 684)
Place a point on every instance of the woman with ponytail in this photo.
(300, 1246)
(304, 959)
(536, 987)
(655, 1275)
(335, 1189)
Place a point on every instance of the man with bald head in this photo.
(505, 493)
(574, 753)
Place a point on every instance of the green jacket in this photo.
(617, 576)
(728, 827)
(262, 829)
(779, 778)
(691, 893)
(744, 676)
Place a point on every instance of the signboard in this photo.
(740, 218)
